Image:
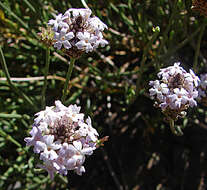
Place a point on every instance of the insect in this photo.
(79, 21)
(177, 81)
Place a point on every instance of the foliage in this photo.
(111, 85)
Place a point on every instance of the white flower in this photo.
(175, 90)
(86, 41)
(100, 40)
(43, 126)
(77, 30)
(56, 23)
(48, 148)
(201, 93)
(191, 77)
(62, 138)
(48, 116)
(81, 149)
(74, 13)
(49, 166)
(181, 97)
(63, 38)
(80, 170)
(158, 89)
(97, 24)
(36, 136)
(202, 87)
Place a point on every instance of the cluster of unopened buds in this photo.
(175, 91)
(75, 32)
(202, 89)
(62, 138)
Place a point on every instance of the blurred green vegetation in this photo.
(111, 85)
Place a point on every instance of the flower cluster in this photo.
(62, 138)
(202, 89)
(76, 32)
(175, 91)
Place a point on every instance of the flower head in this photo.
(202, 89)
(62, 138)
(76, 32)
(175, 90)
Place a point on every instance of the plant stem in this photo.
(195, 63)
(30, 5)
(10, 138)
(84, 4)
(172, 126)
(14, 15)
(47, 64)
(11, 85)
(10, 116)
(70, 68)
(175, 129)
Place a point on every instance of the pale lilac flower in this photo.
(55, 22)
(191, 77)
(80, 170)
(49, 147)
(175, 90)
(97, 24)
(49, 167)
(202, 88)
(62, 139)
(86, 41)
(63, 38)
(73, 13)
(36, 136)
(100, 40)
(84, 151)
(77, 30)
(48, 115)
(181, 97)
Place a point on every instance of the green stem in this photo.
(47, 64)
(10, 138)
(10, 116)
(11, 85)
(172, 126)
(176, 130)
(14, 15)
(63, 179)
(76, 94)
(30, 5)
(70, 68)
(195, 63)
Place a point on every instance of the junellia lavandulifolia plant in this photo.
(74, 32)
(59, 134)
(174, 92)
